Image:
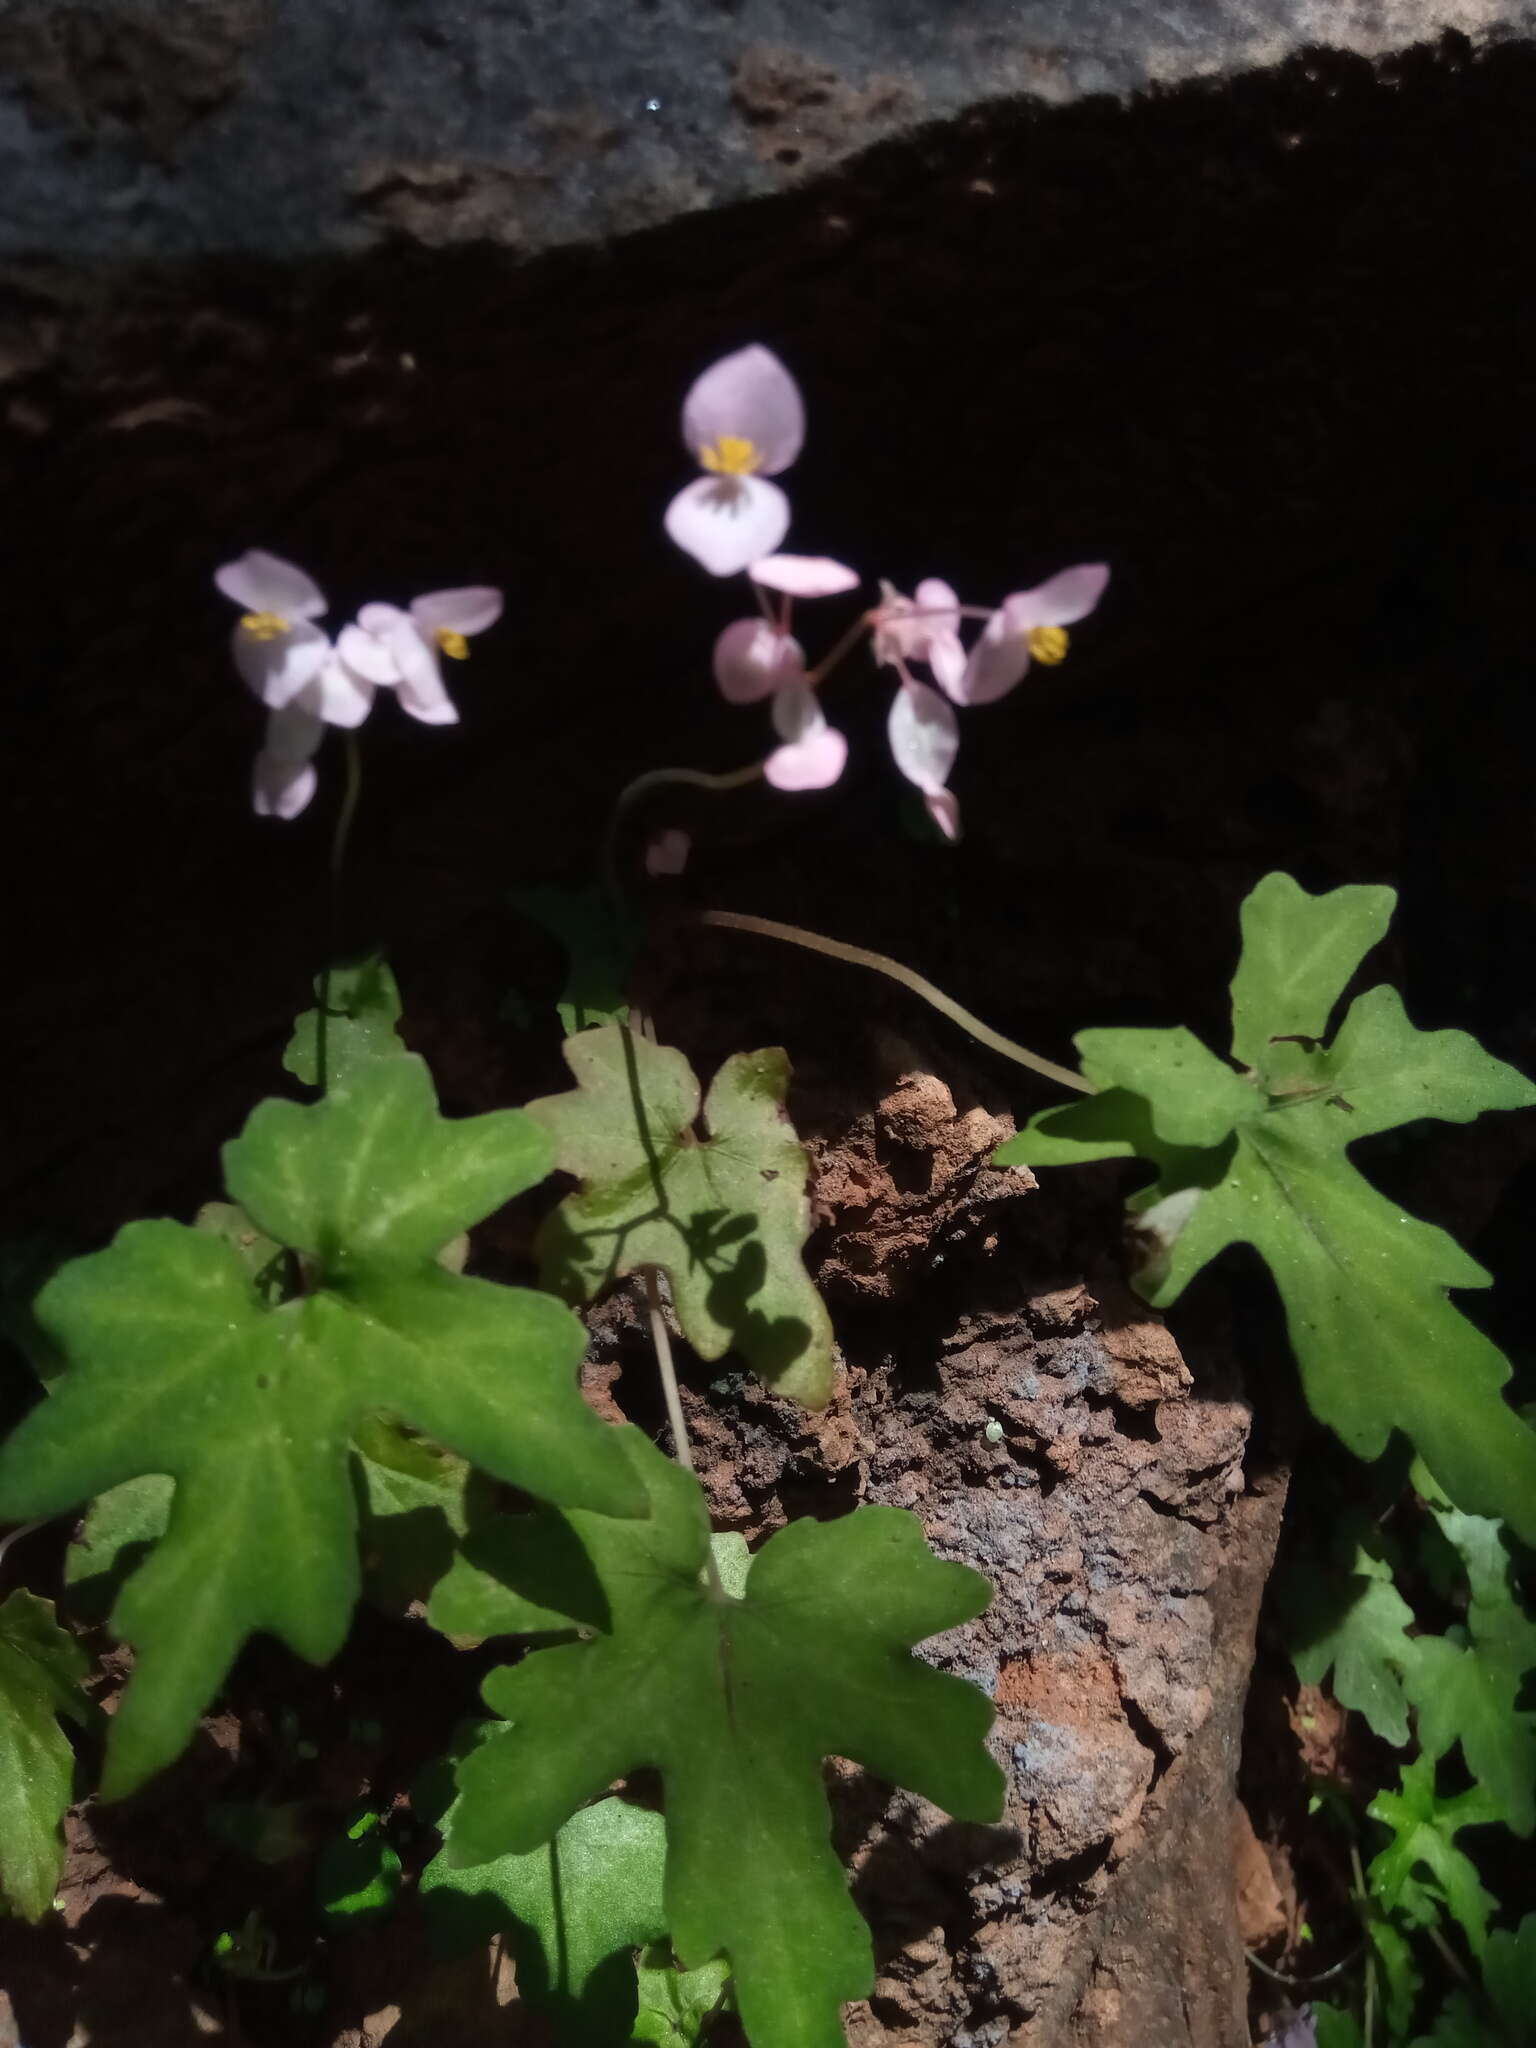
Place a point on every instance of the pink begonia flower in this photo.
(278, 648)
(1029, 625)
(402, 650)
(924, 627)
(283, 778)
(804, 575)
(925, 738)
(666, 852)
(744, 421)
(814, 753)
(753, 659)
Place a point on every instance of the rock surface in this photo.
(133, 128)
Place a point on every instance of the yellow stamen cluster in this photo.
(454, 645)
(264, 625)
(730, 457)
(1048, 644)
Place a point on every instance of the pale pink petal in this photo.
(946, 657)
(368, 657)
(925, 736)
(458, 611)
(293, 734)
(279, 667)
(999, 660)
(753, 659)
(944, 809)
(259, 582)
(748, 396)
(933, 594)
(813, 754)
(728, 522)
(281, 789)
(420, 688)
(1060, 602)
(382, 619)
(337, 695)
(805, 575)
(667, 852)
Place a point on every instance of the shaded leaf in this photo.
(1421, 1869)
(577, 1905)
(600, 939)
(42, 1676)
(357, 1873)
(737, 1702)
(674, 2003)
(724, 1216)
(178, 1367)
(1356, 1626)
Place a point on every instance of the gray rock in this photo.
(177, 127)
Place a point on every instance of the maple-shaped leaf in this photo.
(42, 1675)
(1260, 1157)
(725, 1216)
(736, 1702)
(1356, 1625)
(359, 1005)
(1467, 1683)
(178, 1366)
(1421, 1869)
(577, 1906)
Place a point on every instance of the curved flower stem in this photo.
(26, 1529)
(340, 836)
(663, 778)
(682, 1449)
(849, 639)
(880, 963)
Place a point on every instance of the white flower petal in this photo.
(458, 611)
(728, 522)
(946, 657)
(259, 582)
(420, 688)
(944, 809)
(814, 753)
(383, 619)
(280, 789)
(337, 695)
(279, 667)
(933, 594)
(748, 396)
(1060, 602)
(999, 660)
(805, 575)
(369, 658)
(293, 734)
(753, 659)
(925, 736)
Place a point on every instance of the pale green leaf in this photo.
(1390, 1073)
(178, 1367)
(1424, 1829)
(1356, 1626)
(42, 1675)
(361, 1016)
(1193, 1099)
(1336, 2028)
(724, 1216)
(1299, 952)
(577, 1906)
(674, 2003)
(736, 1703)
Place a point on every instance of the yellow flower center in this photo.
(1048, 644)
(730, 457)
(454, 645)
(264, 625)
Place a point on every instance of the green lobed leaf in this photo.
(1402, 1981)
(1193, 1099)
(178, 1367)
(42, 1676)
(577, 1906)
(357, 1873)
(674, 2004)
(1336, 2028)
(725, 1217)
(1378, 1343)
(736, 1703)
(413, 1505)
(362, 1013)
(1299, 953)
(1357, 1627)
(1424, 1829)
